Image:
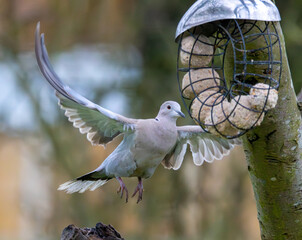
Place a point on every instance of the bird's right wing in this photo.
(204, 147)
(100, 124)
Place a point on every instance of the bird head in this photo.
(170, 109)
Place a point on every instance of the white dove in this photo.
(146, 142)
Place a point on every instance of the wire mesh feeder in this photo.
(229, 73)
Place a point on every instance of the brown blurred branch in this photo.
(99, 232)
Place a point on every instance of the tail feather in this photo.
(81, 186)
(90, 181)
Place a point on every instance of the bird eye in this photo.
(169, 107)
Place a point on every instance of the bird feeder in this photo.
(229, 63)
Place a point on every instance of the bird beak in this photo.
(181, 114)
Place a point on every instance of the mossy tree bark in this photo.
(274, 157)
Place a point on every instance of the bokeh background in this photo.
(122, 55)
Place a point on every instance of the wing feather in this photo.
(204, 147)
(100, 124)
(178, 156)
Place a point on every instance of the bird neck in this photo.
(165, 118)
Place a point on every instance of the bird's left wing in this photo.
(100, 124)
(204, 147)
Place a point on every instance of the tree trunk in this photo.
(273, 153)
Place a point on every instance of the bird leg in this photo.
(122, 188)
(139, 189)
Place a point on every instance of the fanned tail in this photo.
(90, 181)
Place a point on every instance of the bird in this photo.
(146, 143)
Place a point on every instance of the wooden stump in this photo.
(99, 232)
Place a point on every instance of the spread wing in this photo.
(100, 124)
(204, 147)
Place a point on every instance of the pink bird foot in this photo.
(139, 189)
(122, 188)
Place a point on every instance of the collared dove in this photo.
(146, 142)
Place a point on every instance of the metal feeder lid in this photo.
(204, 11)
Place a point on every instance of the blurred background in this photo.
(122, 55)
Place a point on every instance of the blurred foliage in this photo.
(211, 202)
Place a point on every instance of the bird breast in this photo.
(156, 137)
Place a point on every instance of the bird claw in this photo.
(139, 189)
(140, 195)
(122, 189)
(126, 193)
